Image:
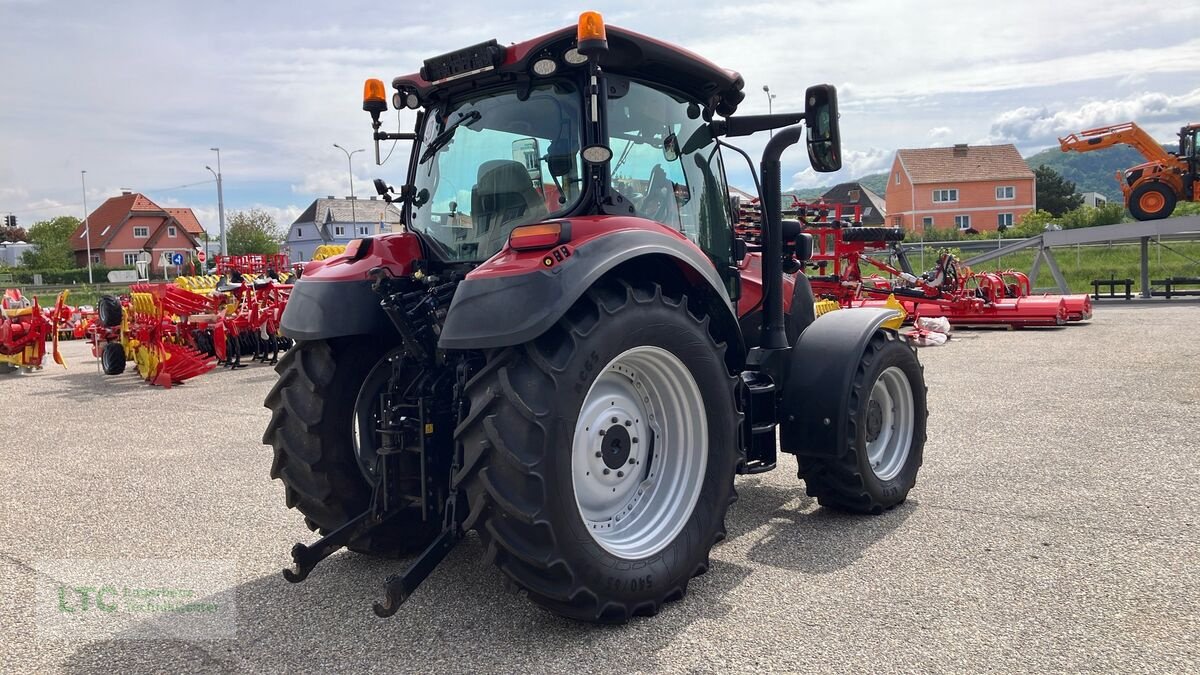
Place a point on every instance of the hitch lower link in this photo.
(398, 587)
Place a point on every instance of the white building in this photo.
(1094, 199)
(11, 251)
(337, 221)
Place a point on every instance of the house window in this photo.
(364, 230)
(339, 231)
(299, 233)
(962, 222)
(96, 259)
(854, 196)
(1006, 192)
(927, 222)
(141, 232)
(1004, 220)
(949, 195)
(897, 178)
(171, 231)
(130, 259)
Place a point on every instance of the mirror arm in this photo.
(749, 124)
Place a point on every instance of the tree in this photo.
(252, 231)
(13, 234)
(53, 241)
(1055, 193)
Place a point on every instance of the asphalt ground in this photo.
(1054, 527)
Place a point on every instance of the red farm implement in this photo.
(248, 323)
(842, 250)
(24, 330)
(151, 329)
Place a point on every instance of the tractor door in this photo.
(666, 163)
(1190, 152)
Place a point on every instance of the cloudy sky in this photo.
(136, 93)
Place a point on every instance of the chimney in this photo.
(372, 197)
(960, 149)
(331, 197)
(351, 197)
(126, 192)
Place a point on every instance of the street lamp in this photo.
(350, 168)
(770, 108)
(87, 231)
(220, 199)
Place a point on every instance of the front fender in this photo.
(816, 394)
(500, 310)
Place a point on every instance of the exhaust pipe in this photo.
(773, 335)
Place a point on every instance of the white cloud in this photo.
(1029, 125)
(855, 164)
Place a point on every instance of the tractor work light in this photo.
(374, 96)
(591, 37)
(573, 57)
(596, 154)
(542, 235)
(545, 67)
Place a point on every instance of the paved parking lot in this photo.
(1054, 527)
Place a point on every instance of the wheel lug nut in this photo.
(606, 472)
(598, 454)
(620, 474)
(614, 420)
(628, 423)
(632, 460)
(601, 432)
(635, 439)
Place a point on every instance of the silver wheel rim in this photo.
(640, 452)
(889, 423)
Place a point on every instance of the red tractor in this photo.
(567, 350)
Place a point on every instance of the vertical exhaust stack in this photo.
(773, 335)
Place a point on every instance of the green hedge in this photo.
(23, 275)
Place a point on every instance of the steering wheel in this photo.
(656, 204)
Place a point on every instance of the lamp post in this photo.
(350, 168)
(87, 231)
(770, 108)
(220, 200)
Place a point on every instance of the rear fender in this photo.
(515, 297)
(816, 394)
(334, 297)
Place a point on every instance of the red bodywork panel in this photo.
(396, 252)
(751, 273)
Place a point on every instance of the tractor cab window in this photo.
(665, 162)
(495, 161)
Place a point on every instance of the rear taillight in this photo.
(542, 235)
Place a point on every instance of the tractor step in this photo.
(760, 443)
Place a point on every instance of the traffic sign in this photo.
(200, 256)
(177, 259)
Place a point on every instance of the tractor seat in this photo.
(503, 198)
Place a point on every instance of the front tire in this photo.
(1151, 201)
(580, 520)
(312, 435)
(885, 436)
(112, 358)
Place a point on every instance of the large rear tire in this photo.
(599, 458)
(312, 435)
(885, 438)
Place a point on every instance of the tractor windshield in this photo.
(501, 159)
(666, 163)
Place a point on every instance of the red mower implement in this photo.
(24, 330)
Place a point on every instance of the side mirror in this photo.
(526, 151)
(821, 118)
(804, 247)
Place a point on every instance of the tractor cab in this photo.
(594, 121)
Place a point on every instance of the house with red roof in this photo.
(123, 227)
(966, 187)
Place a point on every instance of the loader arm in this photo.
(1128, 133)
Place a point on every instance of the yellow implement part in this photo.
(825, 306)
(895, 323)
(328, 251)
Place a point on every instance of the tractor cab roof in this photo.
(630, 54)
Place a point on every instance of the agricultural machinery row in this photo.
(866, 267)
(169, 332)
